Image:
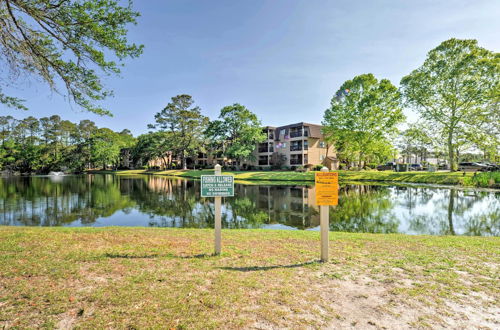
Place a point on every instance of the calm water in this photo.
(107, 200)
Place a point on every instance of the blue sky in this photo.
(283, 59)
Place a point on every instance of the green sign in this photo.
(217, 186)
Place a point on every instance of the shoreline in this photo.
(439, 179)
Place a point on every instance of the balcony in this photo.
(296, 161)
(295, 148)
(263, 162)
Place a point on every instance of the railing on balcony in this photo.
(295, 134)
(266, 149)
(263, 162)
(295, 147)
(295, 161)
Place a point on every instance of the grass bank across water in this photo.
(145, 277)
(450, 178)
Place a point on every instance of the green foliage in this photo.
(362, 118)
(152, 146)
(51, 144)
(417, 139)
(485, 180)
(66, 43)
(185, 125)
(456, 90)
(238, 130)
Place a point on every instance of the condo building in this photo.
(300, 144)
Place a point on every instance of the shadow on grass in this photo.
(129, 256)
(151, 256)
(259, 268)
(196, 256)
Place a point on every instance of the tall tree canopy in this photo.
(186, 125)
(34, 145)
(362, 117)
(238, 130)
(457, 89)
(65, 42)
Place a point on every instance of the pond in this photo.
(108, 200)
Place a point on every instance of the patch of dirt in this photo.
(360, 302)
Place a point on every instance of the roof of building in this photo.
(314, 129)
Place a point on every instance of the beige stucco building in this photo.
(299, 144)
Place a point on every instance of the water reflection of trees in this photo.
(38, 201)
(364, 209)
(452, 212)
(174, 202)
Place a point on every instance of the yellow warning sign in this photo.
(327, 188)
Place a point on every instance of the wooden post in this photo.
(218, 221)
(324, 221)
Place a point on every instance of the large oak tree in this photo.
(457, 91)
(362, 117)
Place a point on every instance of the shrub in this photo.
(318, 167)
(486, 180)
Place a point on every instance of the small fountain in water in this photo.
(52, 173)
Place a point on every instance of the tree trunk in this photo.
(184, 163)
(451, 154)
(450, 210)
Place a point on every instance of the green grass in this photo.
(144, 277)
(448, 178)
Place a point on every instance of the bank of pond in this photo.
(159, 201)
(468, 179)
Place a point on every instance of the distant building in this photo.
(294, 145)
(300, 144)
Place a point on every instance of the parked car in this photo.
(416, 167)
(496, 167)
(443, 166)
(391, 166)
(492, 167)
(472, 167)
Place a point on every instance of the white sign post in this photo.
(217, 186)
(218, 221)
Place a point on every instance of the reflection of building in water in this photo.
(293, 206)
(164, 185)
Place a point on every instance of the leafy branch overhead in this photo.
(66, 42)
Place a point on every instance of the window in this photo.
(322, 144)
(282, 132)
(306, 145)
(322, 157)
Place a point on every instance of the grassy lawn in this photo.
(144, 277)
(451, 178)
